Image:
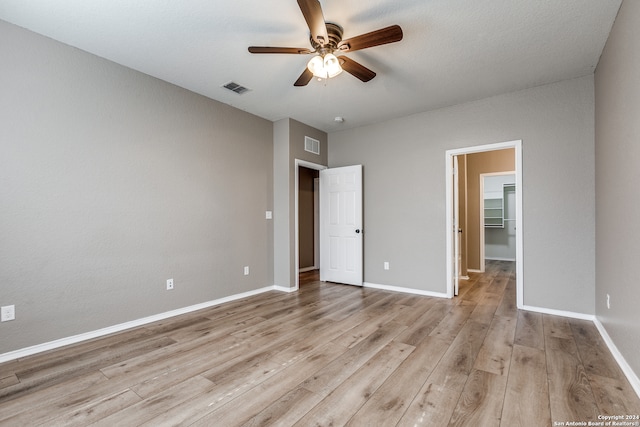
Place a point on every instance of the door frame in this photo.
(308, 165)
(449, 155)
(456, 222)
(316, 223)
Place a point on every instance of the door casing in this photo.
(308, 165)
(449, 202)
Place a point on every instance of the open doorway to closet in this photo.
(467, 218)
(498, 219)
(307, 219)
(308, 225)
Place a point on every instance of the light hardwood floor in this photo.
(331, 355)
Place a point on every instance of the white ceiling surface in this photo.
(453, 51)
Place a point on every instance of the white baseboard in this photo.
(305, 269)
(628, 372)
(571, 314)
(405, 290)
(38, 348)
(284, 289)
(471, 270)
(499, 259)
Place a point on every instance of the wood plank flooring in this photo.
(331, 355)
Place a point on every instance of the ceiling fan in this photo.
(326, 39)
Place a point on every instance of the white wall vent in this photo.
(235, 87)
(311, 145)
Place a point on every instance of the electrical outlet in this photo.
(386, 265)
(8, 313)
(246, 270)
(169, 284)
(608, 301)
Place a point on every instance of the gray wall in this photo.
(404, 189)
(617, 85)
(112, 182)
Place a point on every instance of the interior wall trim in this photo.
(285, 289)
(563, 313)
(405, 290)
(39, 348)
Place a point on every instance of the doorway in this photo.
(452, 215)
(498, 217)
(302, 212)
(308, 225)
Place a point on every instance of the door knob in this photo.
(357, 231)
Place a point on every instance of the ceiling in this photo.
(453, 51)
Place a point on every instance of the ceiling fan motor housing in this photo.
(334, 31)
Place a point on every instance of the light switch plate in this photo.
(8, 313)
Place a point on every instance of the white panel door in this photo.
(341, 225)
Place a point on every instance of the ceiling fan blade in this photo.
(356, 69)
(267, 49)
(386, 35)
(304, 78)
(312, 12)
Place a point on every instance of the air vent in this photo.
(235, 87)
(311, 145)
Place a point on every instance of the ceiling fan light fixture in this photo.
(316, 66)
(332, 65)
(325, 67)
